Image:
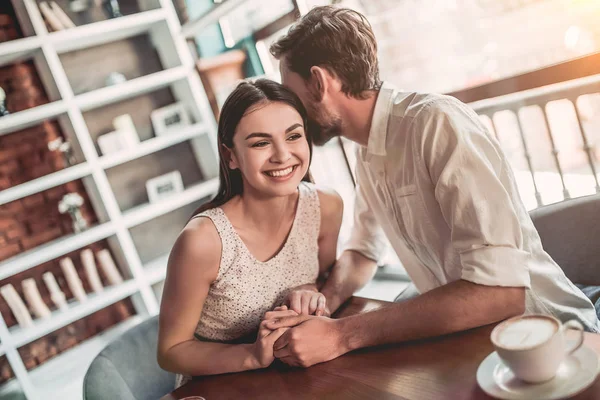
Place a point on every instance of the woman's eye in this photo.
(260, 144)
(295, 136)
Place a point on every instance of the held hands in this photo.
(307, 340)
(307, 300)
(262, 348)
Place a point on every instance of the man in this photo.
(439, 186)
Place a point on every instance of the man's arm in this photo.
(455, 307)
(349, 274)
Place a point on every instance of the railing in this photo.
(544, 109)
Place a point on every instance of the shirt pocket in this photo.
(417, 228)
(415, 222)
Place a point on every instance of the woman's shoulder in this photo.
(330, 202)
(200, 239)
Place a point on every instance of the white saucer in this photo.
(576, 373)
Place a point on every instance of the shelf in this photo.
(196, 26)
(63, 375)
(156, 270)
(19, 49)
(25, 119)
(76, 311)
(111, 30)
(54, 249)
(153, 145)
(135, 87)
(146, 212)
(45, 182)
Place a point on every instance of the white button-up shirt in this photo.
(436, 183)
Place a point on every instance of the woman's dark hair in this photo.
(245, 96)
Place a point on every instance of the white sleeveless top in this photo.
(246, 288)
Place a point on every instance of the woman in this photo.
(263, 241)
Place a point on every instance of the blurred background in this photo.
(108, 114)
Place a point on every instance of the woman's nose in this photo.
(281, 154)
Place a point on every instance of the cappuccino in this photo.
(526, 332)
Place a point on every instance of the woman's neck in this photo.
(266, 212)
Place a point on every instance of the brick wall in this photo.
(6, 372)
(35, 220)
(9, 30)
(441, 46)
(23, 86)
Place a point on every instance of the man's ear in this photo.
(230, 157)
(318, 82)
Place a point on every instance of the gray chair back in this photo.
(570, 233)
(127, 368)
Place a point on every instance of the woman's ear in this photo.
(230, 157)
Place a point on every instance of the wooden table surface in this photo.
(440, 368)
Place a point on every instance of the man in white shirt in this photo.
(435, 182)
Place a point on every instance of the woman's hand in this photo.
(307, 300)
(262, 349)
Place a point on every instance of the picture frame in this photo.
(116, 141)
(164, 186)
(169, 118)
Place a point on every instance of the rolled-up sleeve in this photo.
(473, 185)
(367, 237)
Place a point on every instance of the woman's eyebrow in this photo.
(267, 135)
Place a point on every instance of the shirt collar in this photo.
(379, 122)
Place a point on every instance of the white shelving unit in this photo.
(62, 376)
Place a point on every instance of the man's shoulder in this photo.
(427, 105)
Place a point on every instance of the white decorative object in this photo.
(116, 141)
(115, 78)
(164, 186)
(66, 264)
(57, 296)
(61, 15)
(108, 266)
(125, 123)
(16, 306)
(170, 118)
(70, 203)
(50, 17)
(64, 147)
(3, 110)
(78, 6)
(89, 264)
(34, 299)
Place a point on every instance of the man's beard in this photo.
(322, 134)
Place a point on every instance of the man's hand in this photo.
(312, 340)
(307, 300)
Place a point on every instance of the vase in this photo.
(79, 223)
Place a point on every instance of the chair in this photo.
(570, 233)
(127, 368)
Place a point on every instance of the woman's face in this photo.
(270, 149)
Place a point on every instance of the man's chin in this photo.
(322, 140)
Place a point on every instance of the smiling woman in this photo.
(259, 246)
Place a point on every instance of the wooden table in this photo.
(440, 368)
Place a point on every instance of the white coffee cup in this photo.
(533, 346)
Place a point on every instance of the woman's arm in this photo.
(193, 266)
(332, 211)
(306, 299)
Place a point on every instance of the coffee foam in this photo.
(526, 332)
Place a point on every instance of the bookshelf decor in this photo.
(85, 284)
